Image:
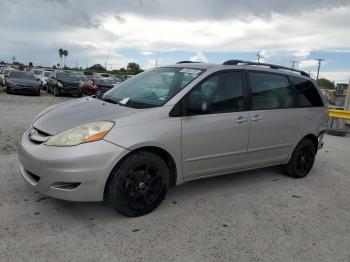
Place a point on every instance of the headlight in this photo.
(90, 132)
(10, 83)
(43, 112)
(59, 84)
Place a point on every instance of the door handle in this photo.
(256, 118)
(241, 120)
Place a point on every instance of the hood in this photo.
(26, 82)
(68, 82)
(78, 112)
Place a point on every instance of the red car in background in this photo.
(97, 86)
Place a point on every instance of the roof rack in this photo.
(187, 62)
(236, 62)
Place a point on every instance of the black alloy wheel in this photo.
(302, 159)
(139, 184)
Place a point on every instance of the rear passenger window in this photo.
(270, 91)
(306, 93)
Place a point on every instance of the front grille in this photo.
(70, 86)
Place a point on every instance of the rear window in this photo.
(306, 93)
(270, 91)
(47, 74)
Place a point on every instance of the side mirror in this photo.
(196, 103)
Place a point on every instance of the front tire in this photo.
(139, 184)
(56, 91)
(302, 159)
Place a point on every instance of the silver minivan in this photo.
(170, 125)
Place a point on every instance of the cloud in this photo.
(301, 54)
(87, 28)
(307, 64)
(199, 57)
(147, 53)
(336, 76)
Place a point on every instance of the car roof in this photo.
(254, 66)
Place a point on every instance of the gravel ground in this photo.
(261, 215)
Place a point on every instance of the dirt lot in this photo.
(253, 216)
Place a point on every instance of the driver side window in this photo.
(223, 93)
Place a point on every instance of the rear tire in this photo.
(302, 159)
(138, 184)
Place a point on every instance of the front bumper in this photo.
(77, 173)
(23, 90)
(70, 90)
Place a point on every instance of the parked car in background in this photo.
(116, 81)
(2, 69)
(37, 73)
(82, 79)
(43, 77)
(5, 74)
(22, 82)
(174, 124)
(63, 83)
(97, 86)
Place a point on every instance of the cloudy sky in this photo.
(166, 31)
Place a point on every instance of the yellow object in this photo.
(336, 113)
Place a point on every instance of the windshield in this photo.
(81, 78)
(66, 77)
(47, 74)
(103, 82)
(22, 75)
(152, 88)
(37, 72)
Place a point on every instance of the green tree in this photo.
(65, 54)
(60, 53)
(325, 83)
(97, 68)
(133, 68)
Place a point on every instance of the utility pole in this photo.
(109, 49)
(259, 56)
(319, 66)
(156, 62)
(13, 59)
(293, 63)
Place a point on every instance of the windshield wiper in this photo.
(107, 99)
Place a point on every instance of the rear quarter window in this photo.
(306, 93)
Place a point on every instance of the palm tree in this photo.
(65, 53)
(60, 53)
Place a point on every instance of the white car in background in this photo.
(43, 77)
(37, 73)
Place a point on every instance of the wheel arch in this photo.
(162, 153)
(313, 138)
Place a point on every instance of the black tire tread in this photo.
(289, 168)
(116, 178)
